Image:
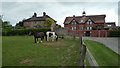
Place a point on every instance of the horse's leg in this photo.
(35, 39)
(47, 38)
(41, 39)
(56, 38)
(53, 38)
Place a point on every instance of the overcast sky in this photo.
(17, 11)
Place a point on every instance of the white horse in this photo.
(51, 34)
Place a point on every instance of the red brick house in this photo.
(35, 21)
(89, 25)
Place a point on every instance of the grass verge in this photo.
(103, 55)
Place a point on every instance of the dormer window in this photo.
(74, 22)
(81, 20)
(89, 22)
(109, 25)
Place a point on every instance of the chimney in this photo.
(73, 16)
(44, 14)
(35, 15)
(84, 13)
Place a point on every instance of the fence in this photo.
(84, 51)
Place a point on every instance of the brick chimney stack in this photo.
(35, 15)
(44, 14)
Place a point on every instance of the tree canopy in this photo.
(48, 22)
(6, 25)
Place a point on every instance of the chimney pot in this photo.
(44, 14)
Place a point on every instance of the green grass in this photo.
(103, 55)
(87, 61)
(0, 51)
(19, 48)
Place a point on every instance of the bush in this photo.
(115, 33)
(23, 31)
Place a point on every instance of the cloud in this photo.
(16, 11)
(60, 0)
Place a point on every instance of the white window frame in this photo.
(81, 20)
(89, 22)
(74, 22)
(89, 28)
(73, 28)
(81, 28)
(109, 25)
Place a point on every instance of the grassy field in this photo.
(103, 55)
(0, 51)
(22, 51)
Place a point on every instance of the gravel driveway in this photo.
(112, 43)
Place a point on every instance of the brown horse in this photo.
(39, 35)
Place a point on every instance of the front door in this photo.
(87, 33)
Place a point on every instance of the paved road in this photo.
(112, 43)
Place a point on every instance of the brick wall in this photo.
(33, 24)
(93, 33)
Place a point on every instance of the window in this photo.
(99, 27)
(74, 22)
(81, 28)
(89, 28)
(81, 20)
(73, 28)
(109, 25)
(89, 22)
(34, 22)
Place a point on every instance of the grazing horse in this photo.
(39, 35)
(51, 34)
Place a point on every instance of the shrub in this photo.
(23, 31)
(115, 33)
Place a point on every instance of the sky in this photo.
(17, 11)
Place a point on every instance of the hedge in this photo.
(23, 31)
(115, 33)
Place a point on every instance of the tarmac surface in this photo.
(112, 43)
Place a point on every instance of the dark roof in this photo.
(40, 18)
(95, 18)
(110, 22)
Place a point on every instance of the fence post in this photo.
(82, 52)
(82, 55)
(81, 42)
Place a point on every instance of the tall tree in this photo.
(6, 25)
(58, 26)
(48, 22)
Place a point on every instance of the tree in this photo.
(115, 32)
(48, 22)
(1, 21)
(6, 25)
(19, 25)
(58, 26)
